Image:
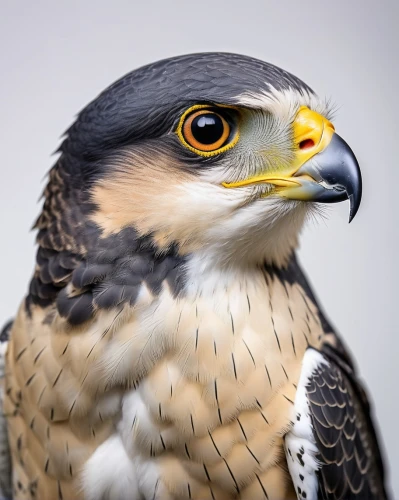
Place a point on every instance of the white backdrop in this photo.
(56, 56)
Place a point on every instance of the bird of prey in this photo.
(170, 346)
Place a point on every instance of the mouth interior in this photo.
(306, 144)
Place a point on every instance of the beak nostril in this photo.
(306, 144)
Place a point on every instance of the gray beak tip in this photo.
(339, 170)
(352, 211)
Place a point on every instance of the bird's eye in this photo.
(206, 131)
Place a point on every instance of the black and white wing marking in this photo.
(300, 444)
(333, 418)
(344, 433)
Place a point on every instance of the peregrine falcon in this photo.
(170, 346)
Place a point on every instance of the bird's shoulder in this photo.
(334, 419)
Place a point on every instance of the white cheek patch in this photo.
(300, 446)
(264, 231)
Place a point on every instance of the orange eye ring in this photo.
(205, 131)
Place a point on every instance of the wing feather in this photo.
(351, 465)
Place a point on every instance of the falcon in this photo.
(170, 346)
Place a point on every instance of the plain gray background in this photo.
(57, 56)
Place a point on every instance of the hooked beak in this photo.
(324, 168)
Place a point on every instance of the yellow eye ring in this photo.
(204, 131)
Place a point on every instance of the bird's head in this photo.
(219, 156)
(215, 153)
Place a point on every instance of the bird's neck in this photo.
(207, 277)
(240, 250)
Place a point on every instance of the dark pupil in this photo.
(207, 128)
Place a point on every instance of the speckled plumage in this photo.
(193, 376)
(159, 350)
